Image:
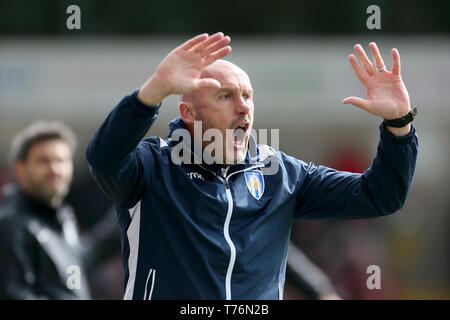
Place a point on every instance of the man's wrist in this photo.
(152, 93)
(399, 131)
(403, 120)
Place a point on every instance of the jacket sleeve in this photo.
(115, 154)
(17, 275)
(382, 189)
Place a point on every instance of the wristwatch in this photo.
(403, 121)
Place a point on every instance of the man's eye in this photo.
(43, 160)
(226, 96)
(246, 96)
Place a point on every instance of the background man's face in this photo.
(229, 107)
(47, 171)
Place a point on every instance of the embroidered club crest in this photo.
(255, 183)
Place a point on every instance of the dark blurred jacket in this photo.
(40, 246)
(306, 276)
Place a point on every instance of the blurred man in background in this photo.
(39, 233)
(43, 256)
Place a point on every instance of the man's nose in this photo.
(56, 167)
(242, 106)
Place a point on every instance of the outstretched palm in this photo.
(386, 94)
(181, 69)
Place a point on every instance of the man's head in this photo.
(229, 107)
(41, 156)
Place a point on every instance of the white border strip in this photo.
(152, 273)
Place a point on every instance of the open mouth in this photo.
(240, 134)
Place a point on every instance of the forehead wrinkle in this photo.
(227, 73)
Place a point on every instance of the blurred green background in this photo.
(287, 17)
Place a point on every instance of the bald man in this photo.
(202, 222)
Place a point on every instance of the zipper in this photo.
(226, 232)
(224, 175)
(226, 226)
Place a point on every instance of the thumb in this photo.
(207, 83)
(359, 102)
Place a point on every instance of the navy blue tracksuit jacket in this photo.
(195, 231)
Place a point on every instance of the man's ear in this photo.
(187, 112)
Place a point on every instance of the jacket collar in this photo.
(29, 206)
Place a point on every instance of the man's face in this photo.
(230, 107)
(47, 171)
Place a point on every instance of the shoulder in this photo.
(9, 203)
(152, 148)
(153, 143)
(265, 152)
(268, 154)
(14, 232)
(11, 220)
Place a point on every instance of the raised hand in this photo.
(386, 94)
(180, 70)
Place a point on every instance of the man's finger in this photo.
(379, 63)
(216, 46)
(207, 83)
(218, 55)
(199, 47)
(360, 73)
(395, 62)
(359, 102)
(364, 59)
(192, 42)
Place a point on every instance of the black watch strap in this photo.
(403, 121)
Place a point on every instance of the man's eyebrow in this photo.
(233, 88)
(227, 89)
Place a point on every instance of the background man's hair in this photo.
(36, 132)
